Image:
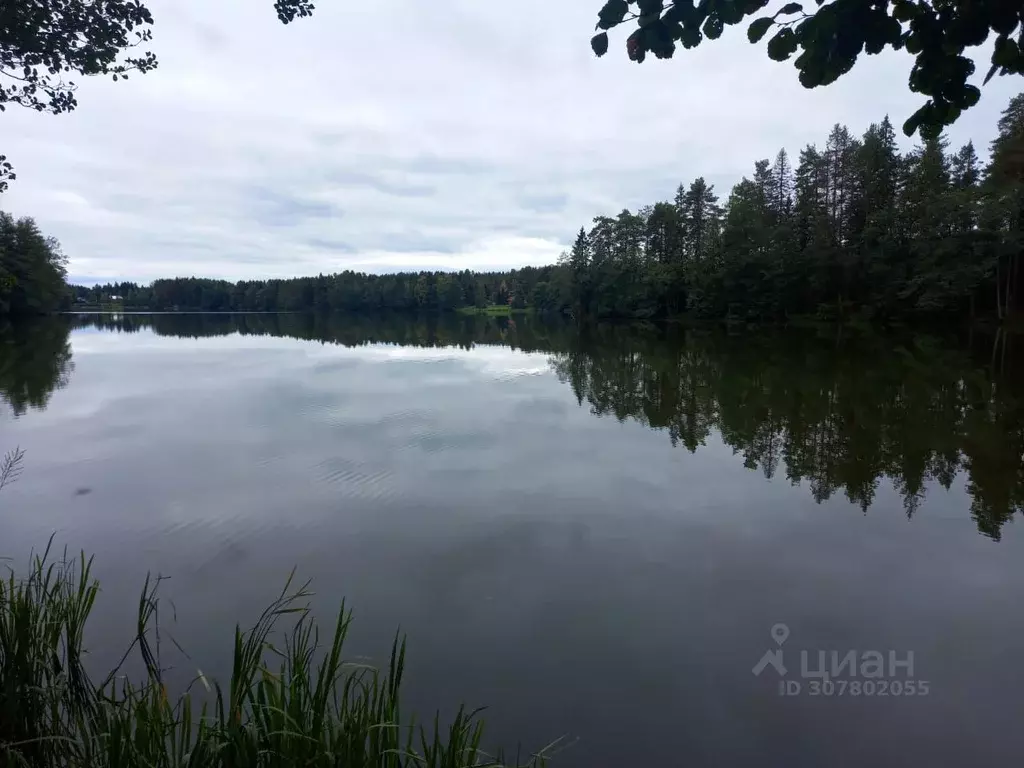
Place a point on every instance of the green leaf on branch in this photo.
(782, 46)
(635, 46)
(658, 40)
(904, 10)
(600, 43)
(713, 27)
(1003, 17)
(758, 29)
(650, 6)
(1006, 52)
(915, 120)
(682, 13)
(729, 12)
(613, 13)
(828, 37)
(690, 37)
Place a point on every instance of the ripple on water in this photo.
(356, 480)
(401, 419)
(438, 441)
(220, 552)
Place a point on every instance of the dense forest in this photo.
(854, 228)
(837, 414)
(32, 270)
(343, 292)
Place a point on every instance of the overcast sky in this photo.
(408, 134)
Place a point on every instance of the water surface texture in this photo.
(593, 532)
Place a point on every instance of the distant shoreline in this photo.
(493, 311)
(115, 311)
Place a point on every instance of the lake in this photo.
(598, 533)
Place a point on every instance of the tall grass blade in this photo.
(292, 700)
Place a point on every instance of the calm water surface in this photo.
(593, 533)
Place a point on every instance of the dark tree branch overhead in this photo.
(288, 10)
(832, 36)
(40, 40)
(7, 173)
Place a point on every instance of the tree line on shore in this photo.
(854, 228)
(851, 228)
(342, 292)
(33, 269)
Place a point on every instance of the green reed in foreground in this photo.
(292, 702)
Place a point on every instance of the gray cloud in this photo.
(326, 244)
(485, 143)
(272, 208)
(416, 242)
(435, 165)
(358, 179)
(550, 203)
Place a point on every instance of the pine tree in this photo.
(662, 239)
(965, 175)
(1005, 203)
(842, 185)
(1007, 164)
(628, 233)
(32, 269)
(579, 257)
(701, 217)
(927, 183)
(965, 171)
(763, 182)
(602, 240)
(879, 167)
(784, 269)
(780, 191)
(809, 205)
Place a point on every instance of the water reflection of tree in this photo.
(841, 418)
(840, 415)
(35, 359)
(445, 330)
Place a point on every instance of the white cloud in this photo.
(380, 136)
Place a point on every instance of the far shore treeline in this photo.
(853, 229)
